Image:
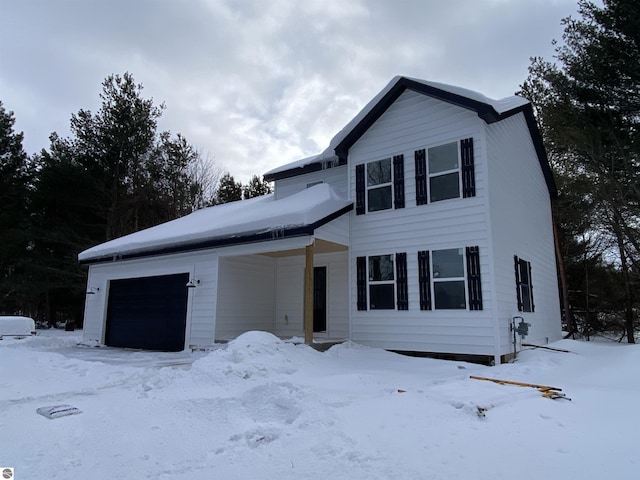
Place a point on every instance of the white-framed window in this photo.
(379, 185)
(443, 164)
(448, 278)
(445, 172)
(382, 282)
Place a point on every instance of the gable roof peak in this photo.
(488, 109)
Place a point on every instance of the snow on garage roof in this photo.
(236, 222)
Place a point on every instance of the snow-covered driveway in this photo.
(262, 408)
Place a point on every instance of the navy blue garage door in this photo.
(149, 313)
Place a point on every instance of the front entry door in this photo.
(320, 299)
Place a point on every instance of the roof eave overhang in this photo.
(221, 241)
(538, 144)
(314, 166)
(294, 172)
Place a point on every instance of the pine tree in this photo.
(228, 190)
(14, 186)
(64, 221)
(115, 145)
(113, 176)
(589, 108)
(173, 192)
(256, 187)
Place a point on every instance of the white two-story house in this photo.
(425, 226)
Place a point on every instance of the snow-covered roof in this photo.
(488, 109)
(255, 219)
(303, 162)
(457, 95)
(501, 105)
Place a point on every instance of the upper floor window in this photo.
(379, 189)
(380, 185)
(444, 172)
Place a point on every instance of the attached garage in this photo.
(148, 313)
(245, 264)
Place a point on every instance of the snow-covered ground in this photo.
(262, 409)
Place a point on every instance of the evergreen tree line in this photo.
(587, 103)
(116, 174)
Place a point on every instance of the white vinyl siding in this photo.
(289, 282)
(414, 122)
(245, 295)
(289, 314)
(336, 231)
(336, 177)
(337, 293)
(201, 302)
(521, 225)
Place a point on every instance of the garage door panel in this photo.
(148, 313)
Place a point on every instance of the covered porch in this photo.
(299, 291)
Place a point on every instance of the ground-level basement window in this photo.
(524, 288)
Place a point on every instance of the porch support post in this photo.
(308, 295)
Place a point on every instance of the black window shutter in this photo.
(516, 263)
(468, 169)
(424, 280)
(421, 176)
(533, 307)
(402, 287)
(361, 282)
(473, 278)
(398, 181)
(360, 190)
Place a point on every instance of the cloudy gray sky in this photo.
(255, 84)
